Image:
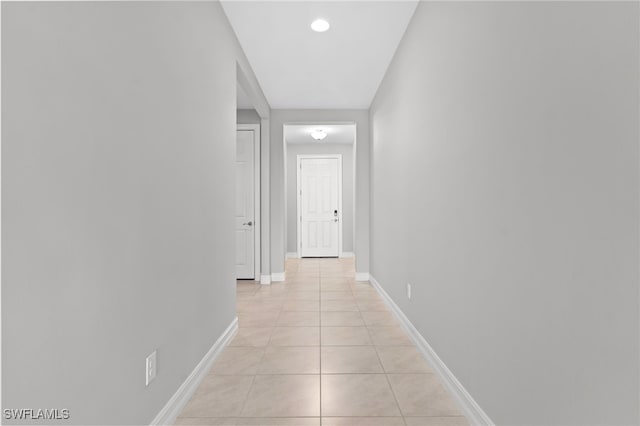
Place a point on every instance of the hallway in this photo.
(319, 344)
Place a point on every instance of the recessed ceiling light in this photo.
(319, 135)
(320, 25)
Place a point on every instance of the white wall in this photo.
(292, 152)
(505, 189)
(118, 140)
(277, 184)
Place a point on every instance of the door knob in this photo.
(248, 223)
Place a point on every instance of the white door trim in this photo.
(299, 159)
(256, 196)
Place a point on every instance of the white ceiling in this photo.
(336, 133)
(338, 69)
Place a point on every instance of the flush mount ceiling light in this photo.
(319, 135)
(320, 25)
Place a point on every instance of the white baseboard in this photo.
(348, 254)
(362, 276)
(469, 407)
(278, 276)
(169, 413)
(265, 279)
(292, 255)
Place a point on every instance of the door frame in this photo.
(256, 196)
(299, 159)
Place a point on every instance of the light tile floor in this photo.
(319, 348)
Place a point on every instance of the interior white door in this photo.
(319, 207)
(245, 217)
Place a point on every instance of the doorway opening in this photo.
(247, 218)
(249, 182)
(320, 189)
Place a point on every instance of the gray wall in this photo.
(505, 189)
(247, 116)
(118, 140)
(277, 184)
(292, 151)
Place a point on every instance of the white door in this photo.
(245, 217)
(319, 206)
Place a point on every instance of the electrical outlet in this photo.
(408, 291)
(151, 367)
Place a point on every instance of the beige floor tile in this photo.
(274, 287)
(301, 305)
(299, 319)
(249, 286)
(303, 295)
(344, 319)
(284, 396)
(279, 421)
(337, 275)
(365, 296)
(371, 305)
(422, 395)
(364, 286)
(218, 396)
(259, 305)
(362, 421)
(252, 336)
(206, 421)
(244, 296)
(402, 359)
(295, 336)
(334, 287)
(275, 301)
(334, 278)
(303, 278)
(363, 290)
(345, 336)
(338, 305)
(238, 360)
(378, 318)
(291, 360)
(350, 359)
(389, 336)
(363, 350)
(258, 319)
(337, 295)
(270, 293)
(437, 421)
(307, 273)
(299, 288)
(357, 395)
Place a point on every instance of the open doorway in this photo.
(247, 187)
(247, 220)
(320, 189)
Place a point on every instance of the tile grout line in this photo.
(253, 380)
(386, 376)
